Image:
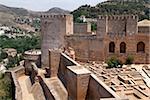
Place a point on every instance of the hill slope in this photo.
(8, 14)
(141, 8)
(14, 11)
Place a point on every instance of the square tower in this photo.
(54, 27)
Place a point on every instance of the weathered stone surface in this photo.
(38, 92)
(82, 28)
(117, 29)
(53, 28)
(77, 82)
(54, 60)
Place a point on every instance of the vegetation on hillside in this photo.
(5, 88)
(109, 8)
(3, 55)
(21, 44)
(14, 61)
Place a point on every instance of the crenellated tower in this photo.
(117, 25)
(54, 27)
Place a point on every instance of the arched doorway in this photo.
(111, 47)
(122, 47)
(141, 47)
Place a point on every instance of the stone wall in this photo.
(82, 28)
(46, 91)
(117, 24)
(79, 83)
(64, 62)
(143, 29)
(30, 58)
(117, 29)
(131, 47)
(97, 89)
(102, 26)
(87, 47)
(14, 74)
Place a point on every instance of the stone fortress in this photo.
(53, 75)
(116, 36)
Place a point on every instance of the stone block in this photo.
(54, 60)
(77, 82)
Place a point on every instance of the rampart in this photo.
(14, 74)
(82, 28)
(117, 24)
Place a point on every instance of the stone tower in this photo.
(54, 26)
(116, 25)
(102, 26)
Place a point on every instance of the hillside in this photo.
(141, 8)
(8, 14)
(14, 11)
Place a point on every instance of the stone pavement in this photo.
(139, 69)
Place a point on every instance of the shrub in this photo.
(13, 61)
(3, 55)
(129, 60)
(93, 27)
(113, 62)
(1, 75)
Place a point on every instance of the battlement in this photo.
(118, 17)
(57, 16)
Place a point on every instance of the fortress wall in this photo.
(69, 25)
(64, 62)
(102, 26)
(87, 47)
(97, 89)
(131, 48)
(48, 95)
(73, 78)
(14, 74)
(82, 28)
(131, 27)
(143, 29)
(117, 24)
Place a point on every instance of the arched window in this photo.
(122, 47)
(112, 47)
(141, 47)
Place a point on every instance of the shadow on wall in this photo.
(96, 88)
(64, 62)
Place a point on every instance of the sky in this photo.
(43, 5)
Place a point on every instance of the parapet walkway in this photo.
(56, 87)
(25, 93)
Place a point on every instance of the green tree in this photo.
(3, 55)
(21, 44)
